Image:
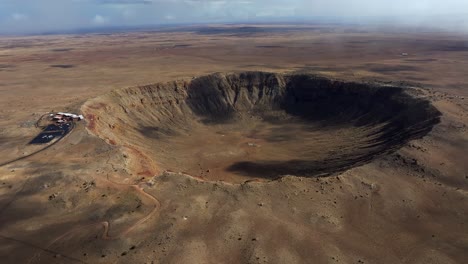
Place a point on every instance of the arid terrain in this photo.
(237, 144)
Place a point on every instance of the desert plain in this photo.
(110, 192)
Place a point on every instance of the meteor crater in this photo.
(259, 125)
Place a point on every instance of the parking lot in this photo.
(51, 132)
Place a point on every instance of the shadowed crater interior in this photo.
(260, 125)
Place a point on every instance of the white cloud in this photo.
(128, 13)
(169, 17)
(19, 17)
(99, 20)
(125, 2)
(57, 15)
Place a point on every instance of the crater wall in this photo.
(237, 127)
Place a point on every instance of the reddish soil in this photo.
(409, 205)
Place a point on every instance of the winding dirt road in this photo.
(105, 224)
(139, 188)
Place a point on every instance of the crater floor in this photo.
(257, 125)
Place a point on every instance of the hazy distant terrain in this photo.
(140, 180)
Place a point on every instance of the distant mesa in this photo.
(62, 50)
(236, 127)
(63, 66)
(270, 46)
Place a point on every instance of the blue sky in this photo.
(36, 16)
